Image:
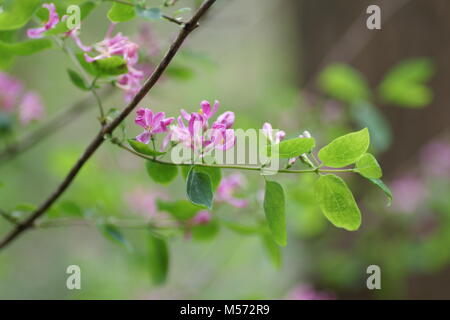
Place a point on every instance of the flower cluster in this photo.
(192, 129)
(29, 104)
(117, 45)
(228, 187)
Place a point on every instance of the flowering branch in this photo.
(109, 128)
(235, 167)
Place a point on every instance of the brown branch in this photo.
(33, 138)
(108, 129)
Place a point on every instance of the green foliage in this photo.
(121, 12)
(346, 149)
(380, 184)
(77, 80)
(180, 210)
(158, 257)
(404, 84)
(294, 147)
(16, 14)
(150, 13)
(214, 173)
(344, 83)
(25, 48)
(337, 202)
(272, 249)
(367, 115)
(205, 232)
(275, 211)
(144, 148)
(113, 234)
(161, 173)
(106, 67)
(180, 72)
(368, 167)
(199, 188)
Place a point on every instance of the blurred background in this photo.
(299, 64)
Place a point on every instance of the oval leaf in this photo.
(345, 150)
(337, 202)
(158, 256)
(274, 209)
(77, 80)
(199, 188)
(150, 14)
(121, 12)
(294, 147)
(214, 173)
(144, 149)
(16, 14)
(368, 167)
(161, 173)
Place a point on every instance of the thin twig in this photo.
(109, 128)
(234, 167)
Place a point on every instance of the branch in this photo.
(108, 129)
(33, 138)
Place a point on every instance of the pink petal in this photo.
(144, 137)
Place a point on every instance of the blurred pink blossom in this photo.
(435, 158)
(143, 201)
(409, 193)
(148, 41)
(10, 90)
(306, 292)
(152, 123)
(53, 20)
(202, 217)
(30, 108)
(228, 186)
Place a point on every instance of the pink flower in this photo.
(30, 108)
(144, 201)
(306, 292)
(228, 186)
(273, 138)
(197, 135)
(202, 217)
(409, 193)
(435, 158)
(10, 90)
(74, 34)
(152, 124)
(53, 20)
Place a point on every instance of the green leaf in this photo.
(404, 84)
(242, 229)
(368, 167)
(344, 83)
(337, 202)
(345, 150)
(158, 256)
(16, 14)
(121, 12)
(113, 234)
(181, 210)
(112, 66)
(70, 208)
(274, 209)
(380, 184)
(368, 115)
(144, 149)
(205, 232)
(150, 14)
(273, 251)
(199, 188)
(77, 80)
(161, 173)
(214, 173)
(294, 147)
(25, 48)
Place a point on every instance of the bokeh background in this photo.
(265, 60)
